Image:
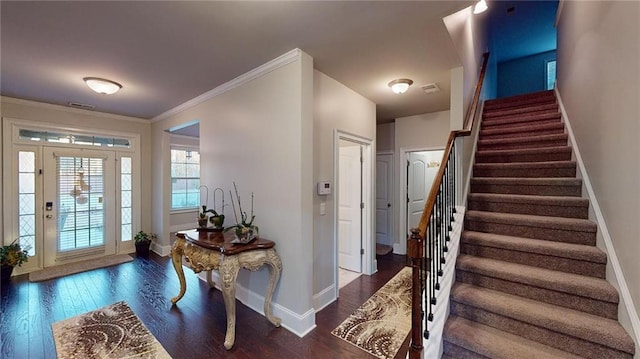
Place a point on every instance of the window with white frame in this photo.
(185, 179)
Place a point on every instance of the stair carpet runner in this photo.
(529, 278)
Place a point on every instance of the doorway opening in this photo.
(354, 241)
(420, 172)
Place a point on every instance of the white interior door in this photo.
(384, 173)
(349, 206)
(79, 195)
(422, 169)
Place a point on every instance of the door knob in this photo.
(49, 216)
(388, 205)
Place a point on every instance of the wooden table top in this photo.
(221, 242)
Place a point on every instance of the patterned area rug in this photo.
(382, 323)
(77, 267)
(110, 332)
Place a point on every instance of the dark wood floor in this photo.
(195, 328)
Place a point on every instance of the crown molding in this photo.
(50, 106)
(259, 71)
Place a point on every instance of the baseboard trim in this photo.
(161, 250)
(298, 324)
(324, 298)
(619, 280)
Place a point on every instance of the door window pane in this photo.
(125, 199)
(26, 201)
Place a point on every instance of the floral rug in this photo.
(110, 332)
(383, 322)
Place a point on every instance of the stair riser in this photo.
(564, 155)
(490, 114)
(532, 332)
(521, 101)
(536, 96)
(451, 350)
(532, 231)
(541, 132)
(546, 295)
(545, 190)
(520, 145)
(566, 265)
(479, 171)
(532, 209)
(522, 119)
(509, 125)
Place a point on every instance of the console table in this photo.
(206, 250)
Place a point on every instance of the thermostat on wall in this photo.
(324, 188)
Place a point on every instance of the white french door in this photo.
(78, 208)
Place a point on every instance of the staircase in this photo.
(529, 278)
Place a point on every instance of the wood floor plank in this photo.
(194, 328)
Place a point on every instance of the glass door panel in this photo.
(78, 219)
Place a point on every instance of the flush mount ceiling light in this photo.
(102, 86)
(480, 7)
(400, 85)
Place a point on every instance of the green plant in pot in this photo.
(143, 242)
(245, 231)
(203, 217)
(11, 255)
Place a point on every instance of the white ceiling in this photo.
(166, 53)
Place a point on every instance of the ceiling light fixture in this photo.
(480, 7)
(400, 85)
(102, 86)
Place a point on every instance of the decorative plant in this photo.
(142, 237)
(245, 226)
(13, 255)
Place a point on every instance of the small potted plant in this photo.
(143, 242)
(245, 230)
(10, 256)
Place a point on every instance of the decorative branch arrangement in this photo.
(245, 230)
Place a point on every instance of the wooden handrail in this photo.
(431, 200)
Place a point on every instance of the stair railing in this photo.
(428, 244)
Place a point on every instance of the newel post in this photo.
(415, 245)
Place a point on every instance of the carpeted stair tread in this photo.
(525, 169)
(605, 332)
(519, 100)
(558, 186)
(493, 343)
(569, 224)
(543, 154)
(524, 142)
(531, 108)
(530, 245)
(522, 118)
(579, 285)
(559, 206)
(519, 130)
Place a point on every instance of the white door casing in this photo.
(384, 180)
(349, 209)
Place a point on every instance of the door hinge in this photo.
(362, 205)
(361, 251)
(40, 171)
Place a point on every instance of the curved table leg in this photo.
(210, 281)
(275, 267)
(176, 258)
(229, 267)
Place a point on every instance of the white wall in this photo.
(88, 120)
(385, 137)
(599, 81)
(420, 132)
(259, 133)
(336, 107)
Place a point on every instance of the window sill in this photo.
(184, 210)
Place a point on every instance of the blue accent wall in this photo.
(523, 75)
